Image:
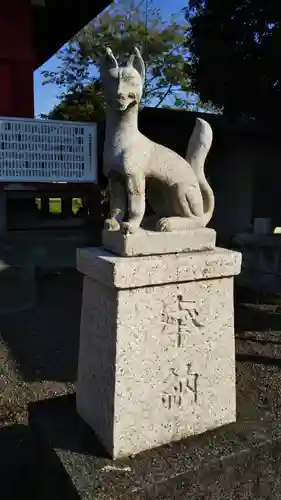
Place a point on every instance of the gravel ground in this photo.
(258, 367)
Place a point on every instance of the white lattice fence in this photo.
(47, 151)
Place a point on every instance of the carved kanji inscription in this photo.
(180, 387)
(181, 318)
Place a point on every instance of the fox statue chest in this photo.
(120, 157)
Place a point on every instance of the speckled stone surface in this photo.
(120, 272)
(156, 363)
(145, 242)
(236, 462)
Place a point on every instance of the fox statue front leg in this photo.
(136, 203)
(117, 205)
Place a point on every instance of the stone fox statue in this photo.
(176, 188)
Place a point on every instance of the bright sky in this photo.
(46, 96)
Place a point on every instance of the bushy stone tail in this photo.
(197, 150)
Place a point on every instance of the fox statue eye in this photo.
(131, 95)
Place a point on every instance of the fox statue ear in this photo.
(137, 61)
(109, 61)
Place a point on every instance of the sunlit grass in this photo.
(55, 205)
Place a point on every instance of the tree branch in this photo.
(164, 96)
(154, 89)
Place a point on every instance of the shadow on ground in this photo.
(44, 341)
(67, 430)
(16, 463)
(256, 312)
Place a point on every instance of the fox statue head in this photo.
(123, 86)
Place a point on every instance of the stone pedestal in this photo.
(145, 242)
(157, 357)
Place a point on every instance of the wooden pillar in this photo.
(45, 207)
(17, 59)
(66, 207)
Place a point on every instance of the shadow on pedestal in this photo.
(238, 461)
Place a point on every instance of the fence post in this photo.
(3, 211)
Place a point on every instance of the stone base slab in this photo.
(123, 273)
(236, 462)
(156, 361)
(145, 242)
